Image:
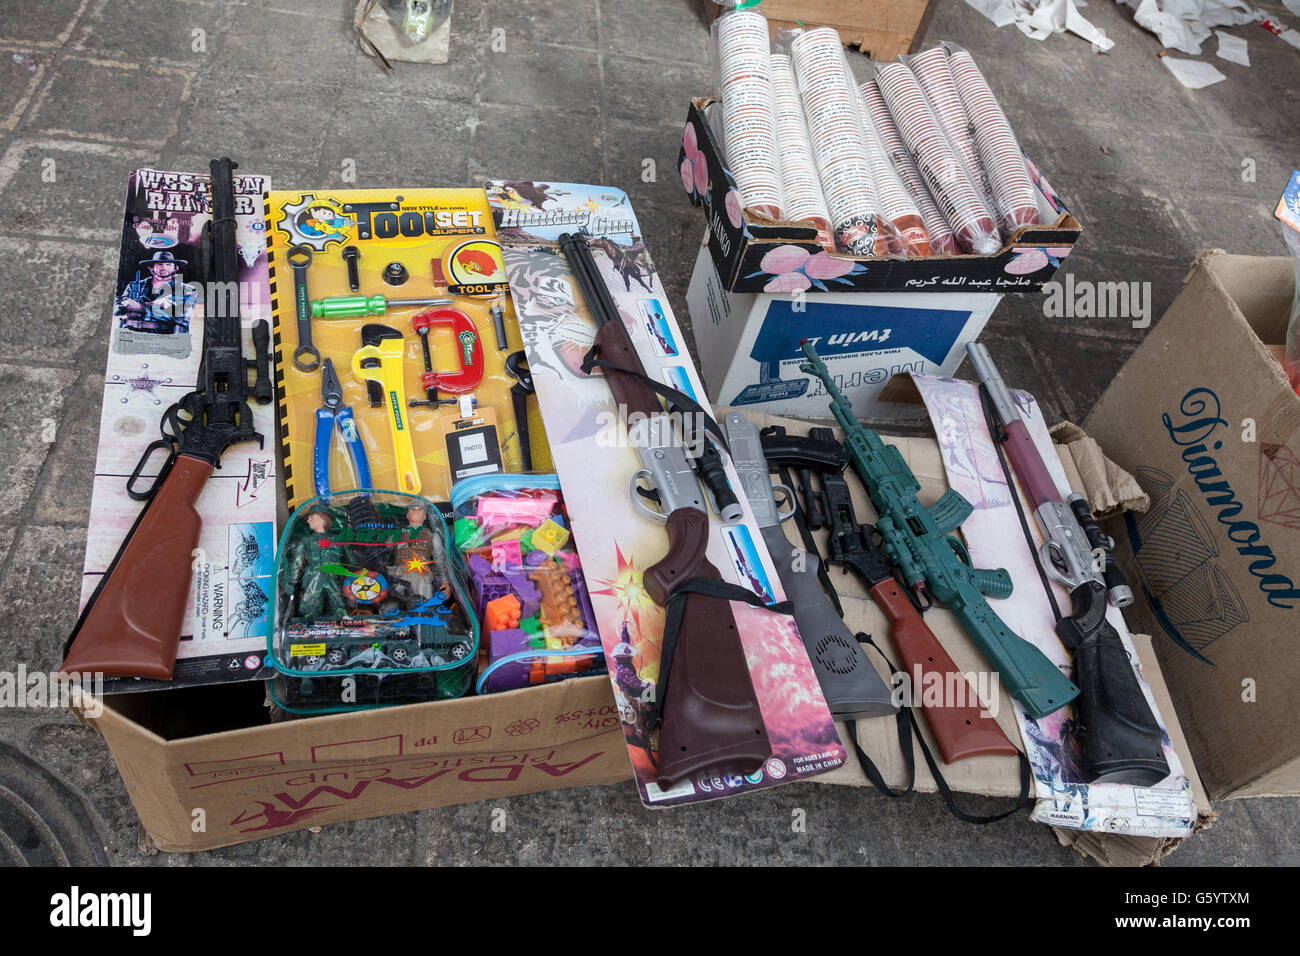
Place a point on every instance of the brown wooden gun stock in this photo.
(712, 722)
(960, 729)
(133, 624)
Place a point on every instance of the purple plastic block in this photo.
(534, 558)
(579, 582)
(514, 674)
(530, 599)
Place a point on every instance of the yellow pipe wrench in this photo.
(379, 363)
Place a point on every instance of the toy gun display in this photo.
(961, 727)
(709, 711)
(1119, 738)
(132, 624)
(919, 542)
(852, 687)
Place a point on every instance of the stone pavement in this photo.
(585, 90)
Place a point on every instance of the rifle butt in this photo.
(961, 727)
(712, 722)
(132, 625)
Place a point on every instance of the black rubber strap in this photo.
(907, 729)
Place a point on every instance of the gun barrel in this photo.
(1003, 403)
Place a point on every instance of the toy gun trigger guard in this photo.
(638, 493)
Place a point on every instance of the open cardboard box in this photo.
(205, 767)
(738, 246)
(1203, 416)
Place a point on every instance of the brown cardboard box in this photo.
(210, 789)
(204, 767)
(882, 30)
(1202, 415)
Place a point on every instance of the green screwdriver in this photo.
(351, 306)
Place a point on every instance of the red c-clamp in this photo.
(468, 349)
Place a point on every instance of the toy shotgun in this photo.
(1119, 738)
(852, 687)
(132, 624)
(961, 728)
(919, 543)
(710, 715)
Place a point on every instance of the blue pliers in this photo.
(332, 412)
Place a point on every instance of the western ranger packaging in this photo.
(1203, 416)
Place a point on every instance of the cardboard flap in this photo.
(1108, 487)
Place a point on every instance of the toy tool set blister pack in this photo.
(370, 609)
(396, 344)
(530, 593)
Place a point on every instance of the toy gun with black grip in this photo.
(709, 712)
(1119, 737)
(851, 685)
(131, 626)
(919, 542)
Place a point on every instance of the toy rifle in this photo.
(1119, 738)
(709, 714)
(851, 685)
(961, 728)
(131, 625)
(919, 542)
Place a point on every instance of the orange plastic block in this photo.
(502, 614)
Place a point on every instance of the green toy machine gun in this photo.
(918, 540)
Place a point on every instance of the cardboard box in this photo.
(1203, 416)
(204, 767)
(748, 343)
(741, 241)
(214, 749)
(882, 30)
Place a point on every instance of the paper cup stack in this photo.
(829, 101)
(910, 238)
(940, 233)
(933, 74)
(800, 183)
(953, 193)
(1013, 190)
(749, 112)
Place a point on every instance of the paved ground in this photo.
(585, 90)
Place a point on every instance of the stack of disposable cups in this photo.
(941, 237)
(748, 111)
(910, 239)
(830, 105)
(800, 184)
(935, 78)
(1013, 190)
(957, 198)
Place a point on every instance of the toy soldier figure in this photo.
(419, 559)
(160, 302)
(317, 590)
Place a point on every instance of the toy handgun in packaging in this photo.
(530, 595)
(372, 606)
(393, 322)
